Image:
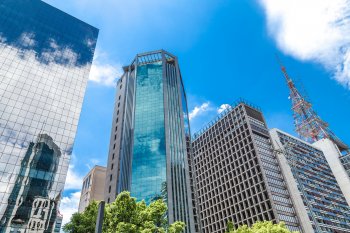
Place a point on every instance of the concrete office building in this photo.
(312, 183)
(148, 152)
(45, 59)
(93, 187)
(237, 175)
(339, 163)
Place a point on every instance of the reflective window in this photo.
(149, 156)
(45, 58)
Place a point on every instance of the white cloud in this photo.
(223, 107)
(198, 110)
(92, 162)
(74, 181)
(104, 71)
(313, 30)
(69, 205)
(27, 39)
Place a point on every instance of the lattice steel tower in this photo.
(308, 124)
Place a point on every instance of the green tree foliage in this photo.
(81, 222)
(125, 215)
(259, 227)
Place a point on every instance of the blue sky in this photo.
(226, 51)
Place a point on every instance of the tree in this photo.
(83, 222)
(125, 215)
(260, 227)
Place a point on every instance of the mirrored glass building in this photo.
(45, 59)
(149, 154)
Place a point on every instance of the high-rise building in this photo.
(309, 177)
(237, 175)
(148, 152)
(93, 187)
(45, 58)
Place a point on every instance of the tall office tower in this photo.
(312, 128)
(311, 183)
(93, 187)
(237, 174)
(45, 58)
(148, 153)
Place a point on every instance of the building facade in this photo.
(148, 152)
(308, 173)
(93, 187)
(237, 175)
(345, 160)
(339, 163)
(45, 58)
(58, 223)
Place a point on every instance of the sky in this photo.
(226, 51)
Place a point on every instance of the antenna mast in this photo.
(307, 123)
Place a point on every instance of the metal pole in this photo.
(100, 214)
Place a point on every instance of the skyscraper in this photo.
(148, 152)
(309, 177)
(45, 58)
(237, 175)
(93, 187)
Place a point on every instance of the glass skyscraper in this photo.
(45, 59)
(149, 140)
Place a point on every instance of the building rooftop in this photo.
(223, 114)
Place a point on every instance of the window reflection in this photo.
(29, 205)
(45, 58)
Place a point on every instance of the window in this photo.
(113, 156)
(108, 200)
(112, 166)
(109, 189)
(110, 177)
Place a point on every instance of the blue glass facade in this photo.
(149, 152)
(45, 58)
(150, 139)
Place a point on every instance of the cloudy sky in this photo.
(226, 51)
